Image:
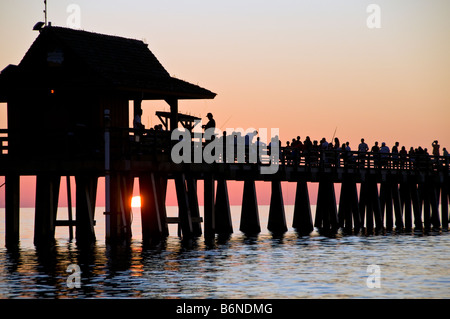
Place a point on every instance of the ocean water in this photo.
(292, 267)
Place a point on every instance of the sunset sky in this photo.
(305, 67)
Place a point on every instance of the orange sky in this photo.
(305, 67)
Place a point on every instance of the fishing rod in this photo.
(225, 122)
(334, 134)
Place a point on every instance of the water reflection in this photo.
(413, 265)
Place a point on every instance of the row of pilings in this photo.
(366, 207)
(374, 208)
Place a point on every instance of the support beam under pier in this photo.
(12, 210)
(302, 221)
(277, 218)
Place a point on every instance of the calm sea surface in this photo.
(395, 266)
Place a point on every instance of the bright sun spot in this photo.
(136, 201)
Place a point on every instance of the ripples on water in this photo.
(411, 266)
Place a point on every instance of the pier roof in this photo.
(97, 61)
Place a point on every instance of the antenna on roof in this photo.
(39, 25)
(45, 11)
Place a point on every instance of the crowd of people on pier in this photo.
(333, 152)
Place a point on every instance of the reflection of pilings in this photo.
(86, 193)
(249, 223)
(222, 211)
(277, 218)
(326, 211)
(183, 206)
(348, 215)
(302, 221)
(47, 193)
(12, 209)
(444, 206)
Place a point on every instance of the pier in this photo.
(74, 121)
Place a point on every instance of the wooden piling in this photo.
(224, 226)
(326, 210)
(355, 207)
(47, 193)
(161, 192)
(249, 223)
(209, 222)
(152, 227)
(12, 210)
(184, 213)
(397, 208)
(426, 207)
(69, 207)
(405, 194)
(417, 207)
(433, 198)
(387, 205)
(302, 220)
(345, 207)
(191, 185)
(444, 206)
(277, 217)
(119, 226)
(85, 194)
(376, 207)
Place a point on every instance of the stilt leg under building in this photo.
(86, 191)
(119, 224)
(152, 226)
(209, 222)
(12, 210)
(191, 185)
(47, 194)
(183, 207)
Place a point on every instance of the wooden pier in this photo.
(74, 122)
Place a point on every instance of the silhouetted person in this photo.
(362, 149)
(375, 153)
(307, 144)
(403, 153)
(412, 157)
(446, 157)
(137, 123)
(336, 143)
(395, 154)
(384, 153)
(211, 124)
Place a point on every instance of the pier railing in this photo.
(129, 143)
(3, 142)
